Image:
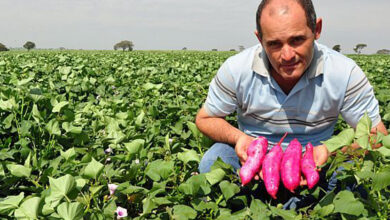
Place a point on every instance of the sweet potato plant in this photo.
(104, 135)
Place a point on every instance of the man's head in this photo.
(287, 30)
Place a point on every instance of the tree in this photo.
(359, 47)
(337, 47)
(29, 45)
(125, 44)
(232, 50)
(214, 49)
(241, 48)
(3, 47)
(383, 51)
(184, 48)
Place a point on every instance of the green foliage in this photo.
(73, 122)
(29, 45)
(124, 45)
(3, 47)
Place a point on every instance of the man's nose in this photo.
(288, 53)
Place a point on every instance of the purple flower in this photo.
(112, 188)
(108, 150)
(121, 212)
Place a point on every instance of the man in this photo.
(288, 84)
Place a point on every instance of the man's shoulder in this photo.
(336, 59)
(242, 61)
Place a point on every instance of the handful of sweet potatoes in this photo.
(275, 164)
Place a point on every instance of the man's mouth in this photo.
(289, 65)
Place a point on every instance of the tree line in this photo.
(129, 45)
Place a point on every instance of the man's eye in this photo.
(273, 44)
(298, 40)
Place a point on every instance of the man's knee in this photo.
(221, 150)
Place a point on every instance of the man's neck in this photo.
(285, 85)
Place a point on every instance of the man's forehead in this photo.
(280, 10)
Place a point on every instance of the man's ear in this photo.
(258, 36)
(318, 28)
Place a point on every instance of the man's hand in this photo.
(242, 145)
(320, 155)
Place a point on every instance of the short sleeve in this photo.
(222, 99)
(359, 98)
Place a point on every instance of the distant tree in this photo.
(232, 49)
(124, 45)
(29, 45)
(184, 48)
(214, 49)
(62, 48)
(337, 47)
(241, 48)
(3, 47)
(359, 47)
(383, 51)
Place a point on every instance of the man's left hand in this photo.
(320, 155)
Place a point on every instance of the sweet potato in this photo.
(309, 167)
(271, 169)
(256, 152)
(291, 164)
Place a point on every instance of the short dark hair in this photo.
(307, 6)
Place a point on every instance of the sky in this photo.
(174, 24)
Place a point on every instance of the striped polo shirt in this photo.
(332, 85)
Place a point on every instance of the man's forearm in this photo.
(217, 129)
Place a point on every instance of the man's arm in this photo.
(220, 130)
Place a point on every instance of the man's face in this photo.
(287, 39)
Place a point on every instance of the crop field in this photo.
(83, 133)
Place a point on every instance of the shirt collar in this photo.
(261, 63)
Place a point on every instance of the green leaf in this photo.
(28, 209)
(188, 155)
(194, 130)
(364, 141)
(384, 151)
(36, 114)
(150, 86)
(93, 169)
(346, 203)
(70, 211)
(19, 170)
(386, 141)
(109, 209)
(344, 138)
(325, 207)
(194, 185)
(381, 180)
(60, 188)
(69, 154)
(285, 214)
(24, 81)
(59, 106)
(159, 169)
(183, 212)
(215, 176)
(140, 118)
(363, 127)
(258, 210)
(228, 189)
(53, 127)
(135, 146)
(10, 203)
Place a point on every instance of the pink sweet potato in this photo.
(271, 169)
(309, 167)
(291, 165)
(256, 152)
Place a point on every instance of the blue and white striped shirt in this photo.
(332, 85)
